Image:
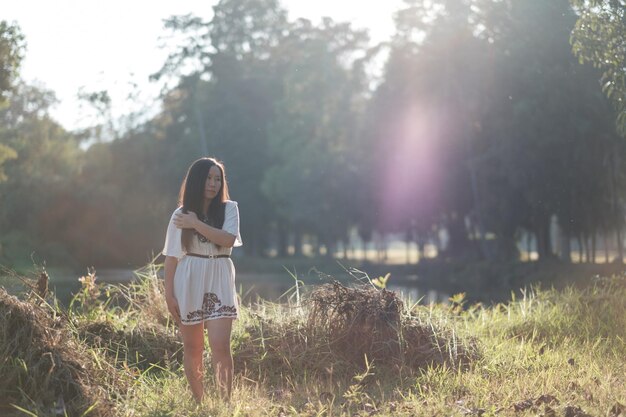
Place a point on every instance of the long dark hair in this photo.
(191, 196)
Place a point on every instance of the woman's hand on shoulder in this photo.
(186, 221)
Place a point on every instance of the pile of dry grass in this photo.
(141, 347)
(362, 321)
(45, 368)
(341, 327)
(356, 321)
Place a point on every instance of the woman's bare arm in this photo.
(215, 235)
(172, 304)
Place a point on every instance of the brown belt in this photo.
(197, 255)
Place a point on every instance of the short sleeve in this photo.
(173, 239)
(231, 222)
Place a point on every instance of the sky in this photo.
(113, 45)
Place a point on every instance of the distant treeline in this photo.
(476, 118)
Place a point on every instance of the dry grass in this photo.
(44, 367)
(342, 330)
(144, 346)
(128, 323)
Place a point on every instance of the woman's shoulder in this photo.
(231, 208)
(178, 210)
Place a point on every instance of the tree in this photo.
(600, 38)
(424, 119)
(540, 161)
(12, 47)
(311, 137)
(228, 97)
(276, 91)
(47, 158)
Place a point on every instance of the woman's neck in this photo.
(205, 206)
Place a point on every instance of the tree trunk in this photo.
(364, 243)
(282, 240)
(544, 244)
(505, 249)
(580, 249)
(385, 249)
(566, 247)
(331, 247)
(407, 245)
(617, 213)
(620, 246)
(458, 242)
(593, 248)
(297, 242)
(479, 235)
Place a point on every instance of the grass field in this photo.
(331, 351)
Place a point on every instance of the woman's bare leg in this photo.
(193, 345)
(219, 340)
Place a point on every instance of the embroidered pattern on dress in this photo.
(209, 301)
(201, 237)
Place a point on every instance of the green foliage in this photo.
(88, 297)
(381, 282)
(355, 394)
(12, 48)
(39, 185)
(6, 154)
(11, 54)
(545, 85)
(312, 132)
(599, 38)
(481, 124)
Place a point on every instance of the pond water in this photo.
(251, 287)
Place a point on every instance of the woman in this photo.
(199, 275)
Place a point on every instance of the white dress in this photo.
(204, 287)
